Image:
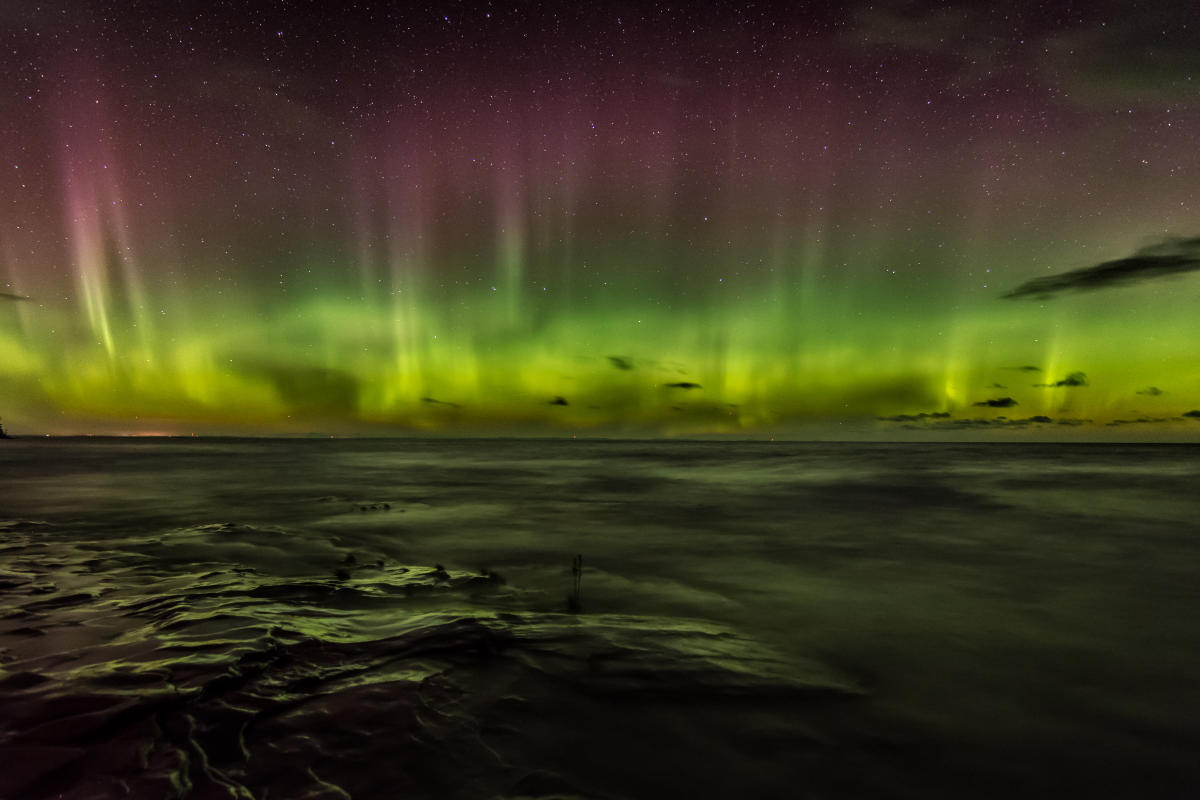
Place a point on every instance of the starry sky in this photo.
(819, 220)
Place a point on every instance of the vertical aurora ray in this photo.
(408, 260)
(88, 258)
(510, 249)
(100, 237)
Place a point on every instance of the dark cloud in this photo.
(979, 423)
(1074, 422)
(308, 391)
(559, 401)
(1001, 422)
(1193, 414)
(621, 362)
(1026, 368)
(15, 297)
(435, 402)
(911, 391)
(1144, 54)
(943, 422)
(684, 385)
(915, 417)
(1174, 256)
(997, 386)
(1152, 391)
(1139, 421)
(999, 402)
(1073, 379)
(1106, 54)
(958, 37)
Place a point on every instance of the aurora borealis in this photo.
(619, 219)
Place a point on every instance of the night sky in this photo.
(860, 220)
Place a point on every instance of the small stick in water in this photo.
(575, 598)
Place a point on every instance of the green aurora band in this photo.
(473, 360)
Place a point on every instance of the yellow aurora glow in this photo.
(347, 364)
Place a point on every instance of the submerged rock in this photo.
(664, 657)
(26, 631)
(11, 580)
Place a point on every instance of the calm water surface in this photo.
(386, 618)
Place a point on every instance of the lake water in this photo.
(397, 618)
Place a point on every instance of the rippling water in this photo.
(388, 618)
